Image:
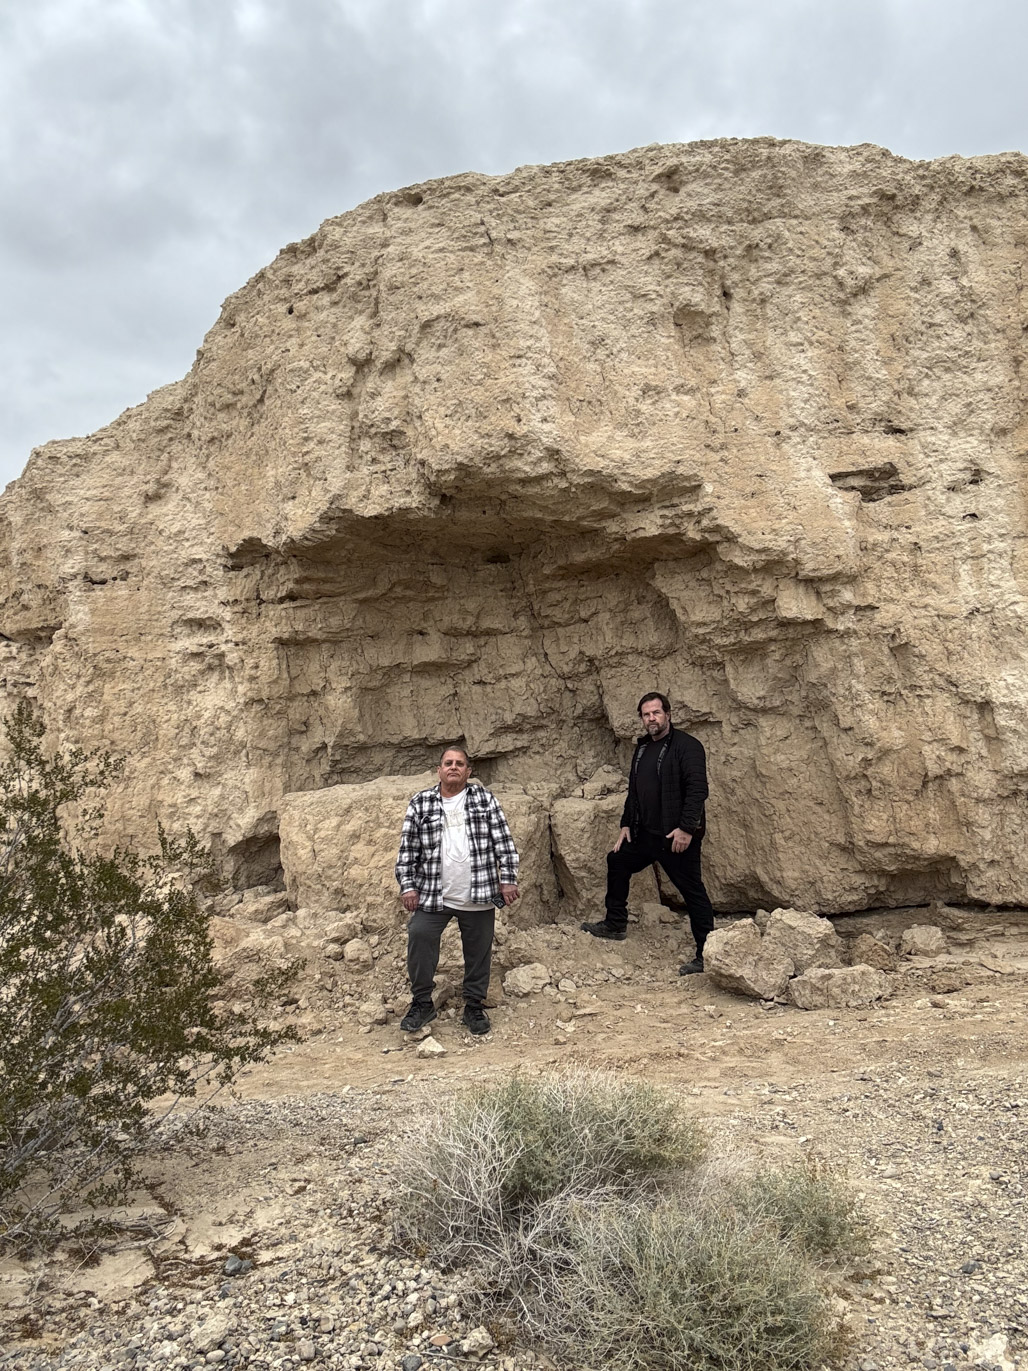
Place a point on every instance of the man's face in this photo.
(454, 770)
(655, 720)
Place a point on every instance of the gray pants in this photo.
(424, 932)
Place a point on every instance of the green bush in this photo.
(478, 1184)
(667, 1287)
(810, 1206)
(107, 988)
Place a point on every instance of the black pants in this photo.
(424, 932)
(683, 869)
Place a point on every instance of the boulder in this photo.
(583, 832)
(866, 950)
(737, 958)
(923, 940)
(804, 939)
(527, 979)
(848, 987)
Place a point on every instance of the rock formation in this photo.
(485, 458)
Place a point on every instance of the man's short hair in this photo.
(665, 703)
(454, 747)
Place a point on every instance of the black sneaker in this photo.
(417, 1016)
(602, 929)
(693, 968)
(476, 1020)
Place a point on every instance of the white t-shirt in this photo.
(456, 866)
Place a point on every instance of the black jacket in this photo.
(682, 773)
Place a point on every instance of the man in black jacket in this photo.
(663, 821)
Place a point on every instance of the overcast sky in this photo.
(155, 153)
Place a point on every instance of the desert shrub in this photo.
(479, 1184)
(809, 1205)
(587, 1211)
(666, 1287)
(107, 988)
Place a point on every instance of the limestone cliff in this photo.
(486, 458)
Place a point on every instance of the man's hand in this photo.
(509, 893)
(409, 899)
(680, 840)
(625, 836)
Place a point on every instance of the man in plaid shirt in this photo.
(457, 861)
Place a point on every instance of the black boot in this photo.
(602, 929)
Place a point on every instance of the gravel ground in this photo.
(941, 1164)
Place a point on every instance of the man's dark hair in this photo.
(454, 747)
(665, 703)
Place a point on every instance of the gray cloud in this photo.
(155, 153)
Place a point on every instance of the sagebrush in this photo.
(496, 1156)
(584, 1207)
(670, 1286)
(807, 1204)
(107, 987)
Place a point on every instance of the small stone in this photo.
(233, 1265)
(372, 1012)
(428, 1047)
(441, 1339)
(306, 1350)
(477, 1343)
(970, 1267)
(210, 1334)
(527, 979)
(213, 1358)
(357, 953)
(411, 1362)
(992, 1351)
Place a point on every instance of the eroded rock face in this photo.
(485, 458)
(339, 849)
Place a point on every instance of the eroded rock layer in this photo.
(485, 458)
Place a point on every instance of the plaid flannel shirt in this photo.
(494, 858)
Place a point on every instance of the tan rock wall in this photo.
(485, 458)
(339, 846)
